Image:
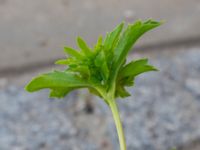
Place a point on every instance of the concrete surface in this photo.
(162, 112)
(34, 32)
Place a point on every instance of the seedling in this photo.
(103, 69)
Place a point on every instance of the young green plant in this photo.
(103, 69)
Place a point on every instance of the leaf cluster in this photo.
(102, 69)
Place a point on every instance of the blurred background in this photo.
(163, 111)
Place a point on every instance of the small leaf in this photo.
(83, 46)
(100, 61)
(110, 43)
(72, 52)
(112, 37)
(121, 92)
(120, 86)
(82, 69)
(62, 62)
(100, 58)
(98, 45)
(135, 68)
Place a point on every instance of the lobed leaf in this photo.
(135, 68)
(127, 40)
(128, 73)
(56, 80)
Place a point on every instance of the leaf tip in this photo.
(28, 87)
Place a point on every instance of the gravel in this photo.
(162, 112)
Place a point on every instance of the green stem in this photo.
(118, 124)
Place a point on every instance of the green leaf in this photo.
(82, 69)
(112, 37)
(84, 47)
(135, 68)
(62, 62)
(128, 73)
(120, 86)
(127, 81)
(128, 39)
(73, 53)
(60, 92)
(94, 91)
(100, 58)
(121, 92)
(101, 62)
(56, 80)
(98, 45)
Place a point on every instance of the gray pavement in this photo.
(162, 112)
